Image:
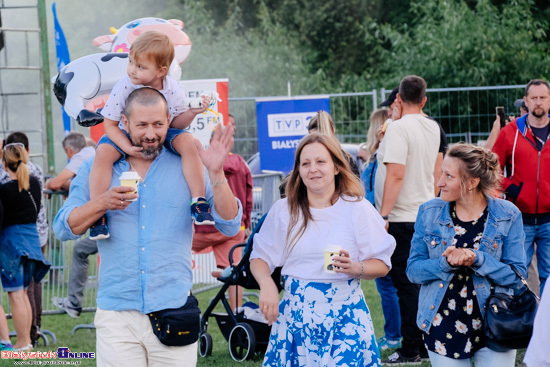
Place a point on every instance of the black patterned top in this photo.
(457, 329)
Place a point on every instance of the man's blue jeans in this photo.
(390, 307)
(539, 234)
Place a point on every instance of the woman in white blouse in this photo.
(323, 319)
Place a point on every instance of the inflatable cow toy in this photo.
(83, 85)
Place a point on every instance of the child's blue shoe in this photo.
(99, 231)
(200, 211)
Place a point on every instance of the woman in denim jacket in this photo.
(464, 242)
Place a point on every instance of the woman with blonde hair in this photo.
(377, 119)
(20, 256)
(465, 242)
(323, 309)
(322, 123)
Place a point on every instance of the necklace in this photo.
(135, 170)
(474, 221)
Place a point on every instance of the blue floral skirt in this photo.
(322, 324)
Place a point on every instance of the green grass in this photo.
(220, 353)
(84, 340)
(61, 325)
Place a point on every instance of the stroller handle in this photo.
(232, 250)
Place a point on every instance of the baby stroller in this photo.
(245, 336)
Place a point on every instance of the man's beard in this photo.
(151, 153)
(148, 153)
(537, 114)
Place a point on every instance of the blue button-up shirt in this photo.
(146, 262)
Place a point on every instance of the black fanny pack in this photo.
(177, 326)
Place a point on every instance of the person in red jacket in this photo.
(239, 179)
(521, 147)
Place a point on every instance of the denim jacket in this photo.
(500, 246)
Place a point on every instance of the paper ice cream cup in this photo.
(131, 179)
(330, 251)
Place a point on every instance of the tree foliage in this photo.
(258, 61)
(453, 44)
(358, 45)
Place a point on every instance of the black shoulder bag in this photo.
(178, 326)
(509, 319)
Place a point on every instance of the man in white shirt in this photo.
(410, 151)
(77, 151)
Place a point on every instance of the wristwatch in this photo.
(385, 217)
(363, 146)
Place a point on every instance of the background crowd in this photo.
(438, 227)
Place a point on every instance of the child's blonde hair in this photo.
(155, 46)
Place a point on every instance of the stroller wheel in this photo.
(205, 345)
(242, 342)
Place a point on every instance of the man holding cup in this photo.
(152, 235)
(130, 179)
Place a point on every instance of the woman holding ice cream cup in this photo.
(323, 307)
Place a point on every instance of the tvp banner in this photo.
(204, 123)
(282, 123)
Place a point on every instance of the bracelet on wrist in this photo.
(385, 217)
(217, 183)
(362, 270)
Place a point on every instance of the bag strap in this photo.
(154, 314)
(523, 281)
(33, 202)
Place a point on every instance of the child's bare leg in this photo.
(102, 169)
(100, 179)
(191, 164)
(193, 171)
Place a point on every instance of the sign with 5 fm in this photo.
(204, 123)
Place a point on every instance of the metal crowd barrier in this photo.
(60, 253)
(265, 193)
